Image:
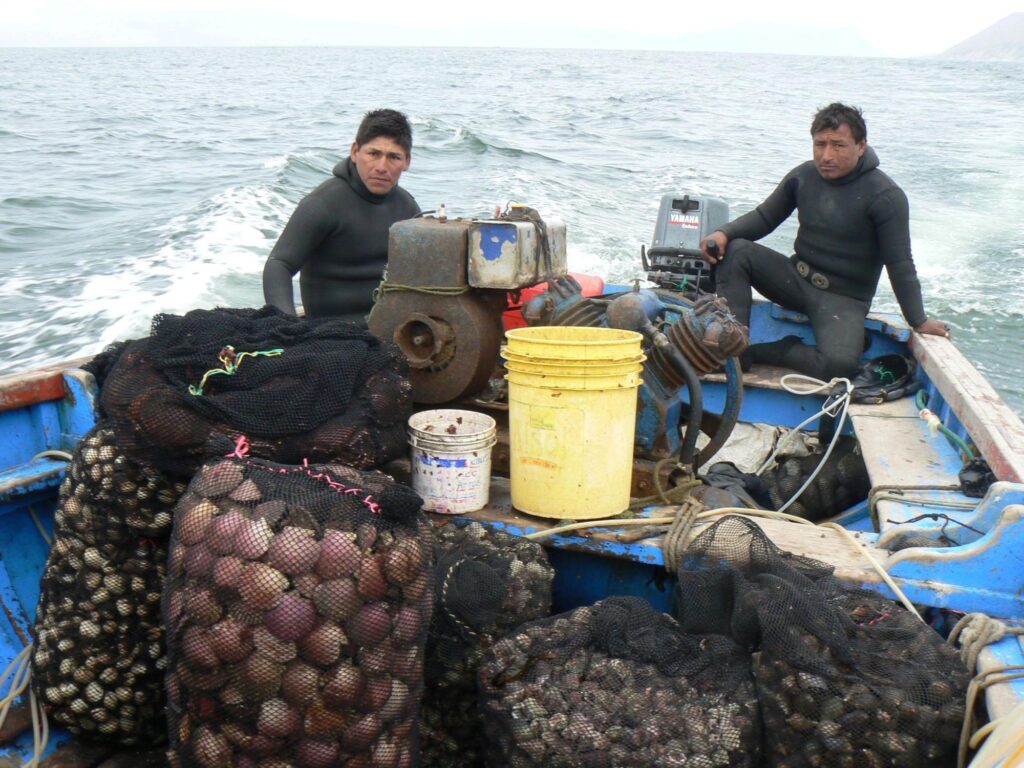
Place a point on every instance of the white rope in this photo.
(856, 543)
(843, 402)
(1004, 747)
(39, 525)
(62, 455)
(19, 672)
(975, 631)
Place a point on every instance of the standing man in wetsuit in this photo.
(853, 220)
(337, 238)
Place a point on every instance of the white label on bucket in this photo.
(452, 484)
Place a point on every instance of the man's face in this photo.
(380, 163)
(836, 153)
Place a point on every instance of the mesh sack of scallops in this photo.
(317, 389)
(98, 661)
(617, 684)
(845, 677)
(297, 604)
(840, 483)
(488, 583)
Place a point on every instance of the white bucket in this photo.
(451, 459)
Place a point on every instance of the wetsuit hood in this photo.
(868, 162)
(347, 172)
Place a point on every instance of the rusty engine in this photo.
(448, 283)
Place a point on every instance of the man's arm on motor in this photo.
(761, 221)
(302, 235)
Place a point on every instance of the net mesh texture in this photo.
(297, 607)
(488, 583)
(317, 389)
(98, 662)
(845, 677)
(617, 684)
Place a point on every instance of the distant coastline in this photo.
(1003, 41)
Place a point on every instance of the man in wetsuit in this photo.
(337, 238)
(853, 220)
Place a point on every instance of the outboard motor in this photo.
(674, 261)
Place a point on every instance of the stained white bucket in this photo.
(451, 459)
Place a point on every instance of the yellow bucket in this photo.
(572, 418)
(574, 343)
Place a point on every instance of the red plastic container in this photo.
(512, 317)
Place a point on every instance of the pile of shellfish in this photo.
(488, 583)
(98, 662)
(896, 698)
(555, 694)
(298, 600)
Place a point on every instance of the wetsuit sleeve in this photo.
(302, 235)
(891, 214)
(764, 219)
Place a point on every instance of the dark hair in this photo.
(389, 123)
(834, 115)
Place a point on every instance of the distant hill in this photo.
(1004, 41)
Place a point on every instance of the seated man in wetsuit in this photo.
(853, 220)
(337, 238)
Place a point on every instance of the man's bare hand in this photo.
(715, 253)
(933, 328)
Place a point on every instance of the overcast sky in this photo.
(855, 27)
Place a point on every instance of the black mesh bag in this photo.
(488, 583)
(840, 484)
(99, 656)
(297, 605)
(846, 678)
(318, 389)
(617, 685)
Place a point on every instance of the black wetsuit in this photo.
(337, 240)
(849, 228)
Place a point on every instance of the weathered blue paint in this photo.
(493, 238)
(857, 518)
(985, 575)
(78, 409)
(984, 572)
(33, 476)
(768, 406)
(581, 579)
(23, 550)
(991, 509)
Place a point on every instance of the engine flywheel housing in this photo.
(451, 342)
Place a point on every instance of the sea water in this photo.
(138, 181)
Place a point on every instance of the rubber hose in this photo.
(730, 413)
(684, 369)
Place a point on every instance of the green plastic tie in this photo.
(231, 362)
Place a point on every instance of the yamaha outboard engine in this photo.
(674, 260)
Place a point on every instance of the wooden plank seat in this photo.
(906, 464)
(901, 456)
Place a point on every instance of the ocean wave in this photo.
(173, 179)
(62, 202)
(207, 257)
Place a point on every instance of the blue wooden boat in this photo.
(975, 564)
